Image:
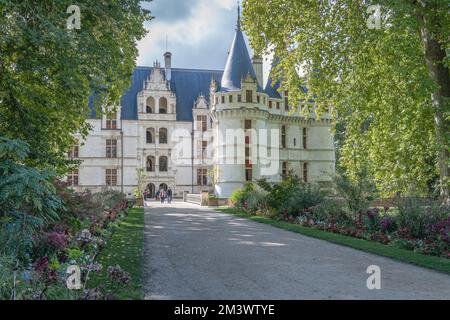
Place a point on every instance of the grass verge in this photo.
(125, 249)
(403, 255)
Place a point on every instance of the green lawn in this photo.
(431, 262)
(125, 249)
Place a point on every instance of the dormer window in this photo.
(150, 107)
(111, 121)
(163, 105)
(202, 123)
(249, 96)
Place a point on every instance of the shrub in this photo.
(358, 192)
(108, 199)
(239, 196)
(418, 215)
(291, 196)
(256, 200)
(372, 220)
(388, 224)
(332, 210)
(28, 200)
(302, 196)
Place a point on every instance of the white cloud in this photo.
(200, 27)
(226, 4)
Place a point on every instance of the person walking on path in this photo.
(169, 195)
(162, 195)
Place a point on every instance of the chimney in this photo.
(258, 67)
(168, 65)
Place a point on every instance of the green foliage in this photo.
(358, 192)
(7, 266)
(390, 105)
(333, 211)
(256, 201)
(239, 196)
(141, 178)
(27, 198)
(107, 198)
(74, 254)
(213, 175)
(48, 73)
(416, 215)
(291, 196)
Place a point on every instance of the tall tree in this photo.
(48, 70)
(382, 65)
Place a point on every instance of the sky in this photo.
(198, 32)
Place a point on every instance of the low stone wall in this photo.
(193, 198)
(202, 199)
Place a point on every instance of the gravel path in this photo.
(198, 253)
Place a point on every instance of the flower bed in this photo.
(75, 239)
(48, 230)
(414, 224)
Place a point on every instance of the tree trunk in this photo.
(434, 56)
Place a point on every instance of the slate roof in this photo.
(187, 84)
(272, 88)
(238, 65)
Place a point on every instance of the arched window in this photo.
(163, 135)
(150, 135)
(150, 163)
(163, 164)
(150, 105)
(162, 105)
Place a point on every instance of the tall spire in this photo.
(239, 64)
(238, 26)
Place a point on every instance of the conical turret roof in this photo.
(239, 65)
